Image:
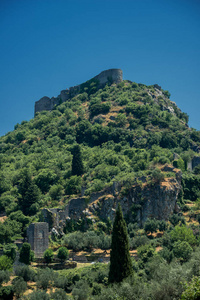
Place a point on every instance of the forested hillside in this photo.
(119, 133)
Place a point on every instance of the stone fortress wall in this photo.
(46, 103)
(38, 237)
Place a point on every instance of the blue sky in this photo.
(50, 45)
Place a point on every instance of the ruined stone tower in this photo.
(38, 238)
(46, 103)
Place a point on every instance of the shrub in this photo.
(96, 290)
(183, 233)
(26, 255)
(192, 289)
(4, 276)
(25, 272)
(146, 252)
(62, 282)
(151, 225)
(10, 251)
(45, 178)
(59, 295)
(82, 241)
(5, 263)
(73, 185)
(175, 219)
(179, 164)
(55, 191)
(45, 278)
(81, 290)
(166, 254)
(139, 241)
(182, 250)
(157, 175)
(37, 295)
(48, 256)
(63, 254)
(6, 292)
(19, 286)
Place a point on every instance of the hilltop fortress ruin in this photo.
(107, 76)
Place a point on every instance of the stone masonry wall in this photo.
(38, 237)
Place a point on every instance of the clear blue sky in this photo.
(50, 45)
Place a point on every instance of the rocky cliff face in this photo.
(157, 201)
(139, 202)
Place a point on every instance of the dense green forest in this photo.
(100, 136)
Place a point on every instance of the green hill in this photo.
(121, 142)
(124, 131)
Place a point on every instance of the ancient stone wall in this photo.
(38, 237)
(113, 75)
(193, 163)
(45, 103)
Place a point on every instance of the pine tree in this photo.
(120, 260)
(77, 164)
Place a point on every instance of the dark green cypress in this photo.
(29, 192)
(120, 260)
(77, 164)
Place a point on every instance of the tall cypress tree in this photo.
(120, 260)
(29, 192)
(77, 164)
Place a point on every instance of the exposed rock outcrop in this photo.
(140, 201)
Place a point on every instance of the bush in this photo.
(48, 256)
(5, 263)
(45, 278)
(96, 290)
(157, 175)
(26, 255)
(25, 272)
(82, 241)
(192, 290)
(4, 276)
(179, 164)
(81, 290)
(151, 225)
(10, 251)
(183, 233)
(62, 282)
(182, 250)
(175, 219)
(45, 179)
(6, 292)
(37, 295)
(138, 241)
(59, 295)
(63, 254)
(55, 192)
(146, 252)
(166, 254)
(73, 185)
(19, 286)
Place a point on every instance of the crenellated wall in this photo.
(46, 103)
